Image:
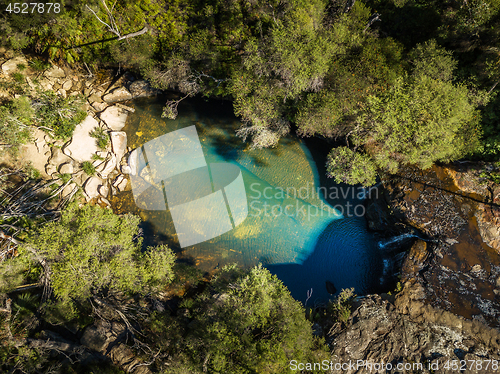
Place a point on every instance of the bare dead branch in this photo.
(133, 34)
(375, 17)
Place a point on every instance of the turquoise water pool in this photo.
(302, 226)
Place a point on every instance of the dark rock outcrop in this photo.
(411, 332)
(457, 269)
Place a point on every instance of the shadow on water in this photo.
(345, 253)
(342, 255)
(319, 151)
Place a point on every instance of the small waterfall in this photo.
(397, 239)
(387, 267)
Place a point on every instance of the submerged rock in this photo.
(141, 88)
(431, 201)
(330, 288)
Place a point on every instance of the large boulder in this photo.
(141, 89)
(415, 260)
(123, 356)
(488, 222)
(107, 167)
(378, 332)
(104, 191)
(91, 187)
(58, 157)
(10, 66)
(66, 168)
(99, 336)
(120, 183)
(118, 94)
(67, 85)
(46, 84)
(118, 143)
(55, 72)
(82, 145)
(68, 190)
(114, 117)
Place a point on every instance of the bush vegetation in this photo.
(101, 137)
(241, 321)
(88, 168)
(323, 68)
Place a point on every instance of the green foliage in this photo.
(491, 175)
(57, 311)
(59, 114)
(419, 122)
(16, 117)
(246, 323)
(96, 157)
(341, 308)
(101, 136)
(65, 178)
(347, 166)
(271, 73)
(91, 250)
(39, 65)
(11, 274)
(320, 113)
(31, 172)
(18, 77)
(433, 61)
(88, 168)
(488, 148)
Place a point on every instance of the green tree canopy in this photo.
(91, 250)
(247, 322)
(418, 122)
(347, 166)
(433, 61)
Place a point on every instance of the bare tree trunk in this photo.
(133, 34)
(349, 5)
(493, 87)
(375, 17)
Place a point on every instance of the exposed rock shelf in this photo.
(105, 111)
(459, 270)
